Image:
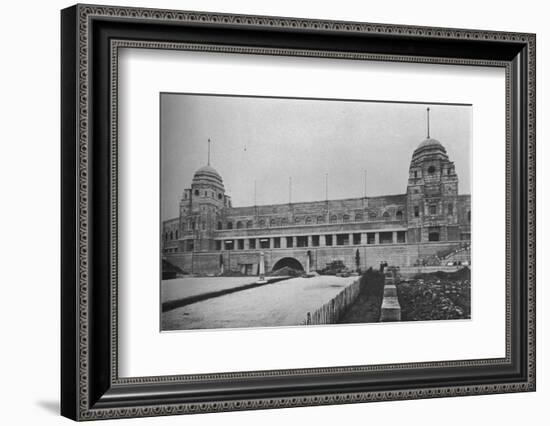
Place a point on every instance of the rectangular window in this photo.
(386, 237)
(252, 243)
(328, 240)
(289, 242)
(229, 244)
(240, 244)
(433, 209)
(190, 245)
(401, 237)
(356, 239)
(342, 239)
(371, 238)
(277, 242)
(218, 245)
(416, 211)
(450, 209)
(315, 240)
(301, 241)
(264, 243)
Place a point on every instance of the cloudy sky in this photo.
(268, 140)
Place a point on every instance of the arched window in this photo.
(333, 219)
(386, 215)
(219, 196)
(431, 170)
(273, 222)
(469, 216)
(196, 192)
(176, 234)
(372, 215)
(261, 223)
(229, 225)
(358, 217)
(249, 224)
(320, 219)
(309, 219)
(171, 235)
(284, 221)
(399, 215)
(450, 208)
(297, 219)
(346, 218)
(166, 236)
(239, 224)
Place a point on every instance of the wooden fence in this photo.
(331, 311)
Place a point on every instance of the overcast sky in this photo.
(269, 140)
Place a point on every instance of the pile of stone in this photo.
(286, 272)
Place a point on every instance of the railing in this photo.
(331, 311)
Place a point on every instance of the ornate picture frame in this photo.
(91, 37)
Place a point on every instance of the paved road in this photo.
(280, 304)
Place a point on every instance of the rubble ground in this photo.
(436, 296)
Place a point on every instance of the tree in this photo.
(357, 260)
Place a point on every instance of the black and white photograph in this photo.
(283, 211)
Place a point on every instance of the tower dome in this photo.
(208, 175)
(429, 148)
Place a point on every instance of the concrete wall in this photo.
(403, 255)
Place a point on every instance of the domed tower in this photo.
(201, 209)
(432, 192)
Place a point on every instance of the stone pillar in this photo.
(350, 239)
(283, 242)
(376, 238)
(322, 241)
(246, 244)
(309, 241)
(334, 240)
(363, 238)
(394, 237)
(307, 264)
(294, 242)
(262, 279)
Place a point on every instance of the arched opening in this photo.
(220, 225)
(288, 262)
(399, 215)
(239, 224)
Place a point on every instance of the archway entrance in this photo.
(288, 262)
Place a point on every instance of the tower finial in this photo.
(428, 120)
(209, 151)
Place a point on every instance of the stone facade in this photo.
(430, 218)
